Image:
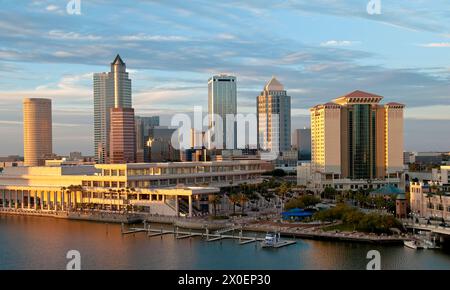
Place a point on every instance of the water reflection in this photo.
(42, 243)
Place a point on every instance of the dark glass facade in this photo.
(362, 141)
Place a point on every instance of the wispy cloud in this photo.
(436, 44)
(172, 47)
(54, 9)
(338, 43)
(148, 37)
(62, 35)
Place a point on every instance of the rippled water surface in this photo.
(42, 243)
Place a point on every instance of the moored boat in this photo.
(271, 240)
(413, 244)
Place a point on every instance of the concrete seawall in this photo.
(95, 217)
(330, 236)
(198, 224)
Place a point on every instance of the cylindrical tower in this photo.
(37, 130)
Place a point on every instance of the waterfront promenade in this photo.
(304, 231)
(317, 233)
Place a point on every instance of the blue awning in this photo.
(297, 212)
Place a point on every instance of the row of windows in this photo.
(168, 182)
(180, 170)
(122, 195)
(113, 172)
(438, 206)
(356, 186)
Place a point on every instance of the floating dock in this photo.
(209, 237)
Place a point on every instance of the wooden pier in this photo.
(209, 237)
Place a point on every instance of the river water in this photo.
(42, 243)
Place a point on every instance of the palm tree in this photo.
(234, 198)
(433, 190)
(283, 189)
(69, 197)
(242, 200)
(63, 190)
(214, 199)
(440, 193)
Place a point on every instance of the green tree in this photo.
(242, 200)
(214, 199)
(278, 173)
(329, 193)
(302, 202)
(234, 198)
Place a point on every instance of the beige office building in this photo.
(169, 189)
(37, 130)
(355, 138)
(430, 199)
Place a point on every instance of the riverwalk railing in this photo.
(433, 228)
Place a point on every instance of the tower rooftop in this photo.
(358, 97)
(274, 85)
(118, 60)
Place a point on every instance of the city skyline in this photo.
(203, 137)
(399, 54)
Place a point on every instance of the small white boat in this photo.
(413, 244)
(271, 240)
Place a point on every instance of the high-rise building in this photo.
(143, 125)
(160, 146)
(198, 139)
(37, 131)
(356, 138)
(122, 143)
(302, 141)
(274, 117)
(222, 101)
(326, 138)
(75, 155)
(109, 88)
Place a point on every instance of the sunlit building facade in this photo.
(110, 88)
(222, 101)
(37, 131)
(274, 118)
(122, 143)
(430, 199)
(356, 138)
(171, 188)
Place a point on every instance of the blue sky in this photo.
(318, 49)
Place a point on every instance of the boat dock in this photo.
(206, 235)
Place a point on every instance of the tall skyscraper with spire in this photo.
(274, 117)
(111, 89)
